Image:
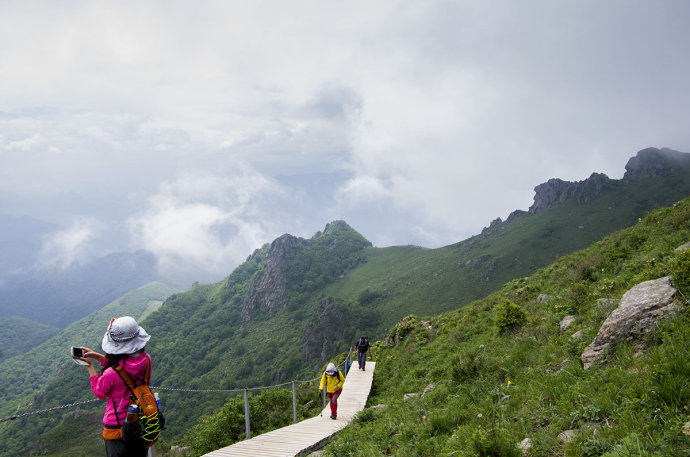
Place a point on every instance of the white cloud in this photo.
(205, 223)
(26, 144)
(446, 114)
(66, 246)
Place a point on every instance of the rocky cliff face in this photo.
(267, 289)
(289, 259)
(557, 191)
(648, 163)
(325, 330)
(656, 163)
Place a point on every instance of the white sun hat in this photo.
(124, 336)
(330, 369)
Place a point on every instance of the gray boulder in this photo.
(543, 298)
(640, 309)
(683, 247)
(567, 322)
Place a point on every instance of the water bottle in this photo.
(132, 413)
(158, 400)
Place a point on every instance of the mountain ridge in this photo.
(328, 289)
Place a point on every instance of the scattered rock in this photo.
(178, 451)
(683, 247)
(577, 335)
(686, 428)
(567, 322)
(381, 406)
(567, 436)
(638, 313)
(408, 396)
(525, 445)
(429, 388)
(558, 368)
(543, 298)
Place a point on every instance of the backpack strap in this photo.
(127, 379)
(117, 419)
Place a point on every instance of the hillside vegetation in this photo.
(295, 302)
(496, 378)
(18, 335)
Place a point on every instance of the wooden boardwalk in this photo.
(310, 434)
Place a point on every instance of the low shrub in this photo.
(509, 317)
(680, 273)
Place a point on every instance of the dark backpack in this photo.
(143, 432)
(363, 344)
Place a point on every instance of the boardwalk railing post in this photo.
(294, 403)
(246, 412)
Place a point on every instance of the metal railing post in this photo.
(348, 362)
(246, 413)
(294, 403)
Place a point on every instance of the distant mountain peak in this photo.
(648, 163)
(655, 163)
(269, 289)
(333, 227)
(556, 191)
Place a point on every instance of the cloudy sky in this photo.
(201, 130)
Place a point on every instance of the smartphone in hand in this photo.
(76, 353)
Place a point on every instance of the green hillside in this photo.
(18, 335)
(429, 281)
(496, 384)
(25, 379)
(295, 303)
(495, 379)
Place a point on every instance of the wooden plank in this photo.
(292, 440)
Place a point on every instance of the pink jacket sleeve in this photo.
(101, 385)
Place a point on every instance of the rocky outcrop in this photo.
(556, 191)
(325, 330)
(648, 163)
(656, 163)
(267, 290)
(638, 313)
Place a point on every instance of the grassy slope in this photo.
(431, 281)
(18, 335)
(492, 391)
(25, 379)
(202, 343)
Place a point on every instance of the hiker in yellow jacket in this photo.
(333, 379)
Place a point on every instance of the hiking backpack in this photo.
(363, 343)
(145, 431)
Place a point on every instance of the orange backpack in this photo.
(150, 422)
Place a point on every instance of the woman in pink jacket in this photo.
(124, 344)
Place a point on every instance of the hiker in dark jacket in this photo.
(363, 350)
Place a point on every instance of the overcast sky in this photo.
(202, 130)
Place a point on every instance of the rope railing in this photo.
(345, 363)
(49, 410)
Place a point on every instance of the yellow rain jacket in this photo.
(332, 381)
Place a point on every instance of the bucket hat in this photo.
(330, 369)
(124, 336)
